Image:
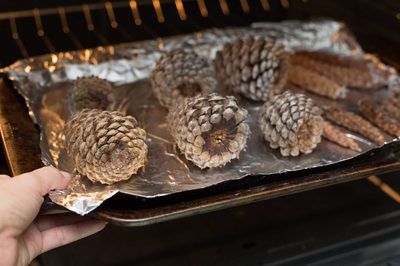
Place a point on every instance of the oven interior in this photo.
(354, 222)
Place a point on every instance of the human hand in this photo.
(23, 235)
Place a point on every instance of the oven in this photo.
(341, 215)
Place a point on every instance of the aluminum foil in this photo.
(44, 81)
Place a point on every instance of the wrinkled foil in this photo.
(44, 81)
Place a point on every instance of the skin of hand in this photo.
(25, 235)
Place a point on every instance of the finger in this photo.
(62, 235)
(46, 222)
(4, 177)
(44, 179)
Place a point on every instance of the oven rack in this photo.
(161, 11)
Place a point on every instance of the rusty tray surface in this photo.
(20, 139)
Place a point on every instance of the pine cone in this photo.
(92, 93)
(315, 83)
(106, 146)
(291, 122)
(180, 74)
(210, 130)
(255, 68)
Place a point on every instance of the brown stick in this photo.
(380, 118)
(336, 135)
(355, 123)
(315, 83)
(367, 77)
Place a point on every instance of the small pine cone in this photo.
(92, 93)
(291, 122)
(379, 117)
(255, 68)
(315, 83)
(180, 74)
(106, 146)
(367, 77)
(209, 130)
(355, 123)
(336, 135)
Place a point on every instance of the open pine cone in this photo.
(209, 130)
(291, 122)
(92, 93)
(255, 68)
(106, 146)
(180, 74)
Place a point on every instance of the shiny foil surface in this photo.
(44, 81)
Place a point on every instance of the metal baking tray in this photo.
(20, 139)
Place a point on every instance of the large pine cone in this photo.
(92, 93)
(291, 122)
(106, 146)
(180, 74)
(210, 130)
(255, 68)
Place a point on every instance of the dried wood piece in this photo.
(379, 117)
(315, 83)
(392, 108)
(343, 61)
(336, 135)
(394, 99)
(355, 123)
(367, 77)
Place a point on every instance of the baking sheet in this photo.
(44, 82)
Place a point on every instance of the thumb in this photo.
(44, 179)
